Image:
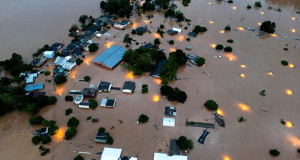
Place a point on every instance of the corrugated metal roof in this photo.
(33, 87)
(111, 57)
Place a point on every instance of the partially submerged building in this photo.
(89, 92)
(33, 87)
(78, 99)
(170, 111)
(174, 148)
(128, 87)
(111, 57)
(192, 34)
(193, 58)
(56, 46)
(141, 30)
(159, 65)
(41, 132)
(48, 54)
(31, 77)
(35, 94)
(37, 62)
(111, 153)
(104, 86)
(172, 32)
(169, 122)
(101, 137)
(84, 105)
(164, 156)
(128, 158)
(108, 102)
(147, 46)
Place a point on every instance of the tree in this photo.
(180, 57)
(228, 49)
(179, 15)
(87, 78)
(298, 150)
(33, 108)
(284, 62)
(60, 79)
(41, 101)
(102, 4)
(257, 4)
(45, 123)
(46, 139)
(120, 7)
(69, 98)
(166, 90)
(73, 122)
(82, 19)
(200, 61)
(71, 132)
(173, 6)
(170, 13)
(184, 143)
(51, 100)
(148, 6)
(101, 130)
(274, 152)
(219, 47)
(227, 28)
(93, 47)
(78, 61)
(35, 140)
(47, 73)
(156, 41)
(200, 29)
(138, 8)
(74, 27)
(162, 26)
(144, 88)
(171, 42)
(230, 41)
(268, 27)
(211, 105)
(109, 140)
(19, 90)
(143, 118)
(36, 120)
(127, 39)
(133, 31)
(93, 103)
(79, 157)
(68, 111)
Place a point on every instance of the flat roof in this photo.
(111, 57)
(33, 87)
(169, 122)
(111, 153)
(164, 156)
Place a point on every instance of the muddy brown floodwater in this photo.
(27, 25)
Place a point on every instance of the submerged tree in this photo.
(82, 19)
(268, 27)
(127, 39)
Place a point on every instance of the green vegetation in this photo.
(270, 7)
(120, 121)
(200, 61)
(51, 100)
(120, 7)
(173, 94)
(262, 93)
(188, 39)
(211, 105)
(184, 143)
(298, 150)
(286, 49)
(43, 150)
(175, 14)
(74, 27)
(87, 78)
(171, 42)
(68, 111)
(52, 128)
(144, 88)
(228, 49)
(70, 132)
(69, 98)
(93, 103)
(219, 47)
(257, 4)
(133, 31)
(230, 41)
(149, 32)
(200, 29)
(156, 41)
(284, 62)
(268, 26)
(249, 7)
(79, 61)
(186, 2)
(274, 152)
(227, 28)
(35, 140)
(186, 28)
(60, 79)
(79, 157)
(36, 120)
(109, 139)
(40, 50)
(160, 32)
(241, 119)
(93, 47)
(230, 1)
(143, 118)
(148, 6)
(15, 66)
(82, 19)
(46, 139)
(162, 26)
(127, 39)
(73, 122)
(89, 118)
(282, 122)
(102, 130)
(47, 73)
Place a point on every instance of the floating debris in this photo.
(219, 119)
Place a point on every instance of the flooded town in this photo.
(149, 80)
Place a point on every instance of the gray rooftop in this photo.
(111, 57)
(128, 85)
(101, 137)
(159, 65)
(170, 111)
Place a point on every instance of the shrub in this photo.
(274, 152)
(156, 41)
(47, 73)
(188, 39)
(166, 90)
(257, 4)
(171, 42)
(184, 143)
(282, 121)
(286, 49)
(211, 105)
(93, 47)
(78, 61)
(35, 140)
(108, 27)
(270, 7)
(93, 103)
(109, 140)
(228, 49)
(200, 61)
(143, 118)
(268, 27)
(144, 88)
(87, 78)
(249, 7)
(186, 28)
(68, 98)
(162, 26)
(133, 31)
(219, 47)
(185, 3)
(198, 29)
(43, 150)
(70, 132)
(230, 1)
(89, 118)
(230, 41)
(51, 100)
(298, 150)
(102, 130)
(46, 139)
(284, 62)
(68, 111)
(227, 28)
(241, 119)
(74, 27)
(73, 122)
(60, 79)
(137, 43)
(99, 28)
(36, 120)
(262, 93)
(79, 157)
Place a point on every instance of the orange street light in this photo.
(291, 65)
(289, 124)
(211, 22)
(213, 45)
(289, 92)
(155, 98)
(234, 8)
(209, 3)
(262, 13)
(293, 18)
(243, 75)
(243, 66)
(259, 24)
(221, 31)
(293, 30)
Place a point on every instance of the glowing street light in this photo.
(262, 13)
(243, 66)
(293, 18)
(259, 24)
(209, 3)
(293, 30)
(243, 75)
(289, 92)
(155, 98)
(241, 28)
(211, 22)
(213, 45)
(289, 124)
(291, 65)
(222, 31)
(234, 8)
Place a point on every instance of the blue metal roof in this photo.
(33, 87)
(111, 57)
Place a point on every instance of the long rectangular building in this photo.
(111, 57)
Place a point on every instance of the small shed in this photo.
(84, 105)
(128, 87)
(169, 122)
(189, 48)
(78, 99)
(170, 111)
(48, 54)
(108, 102)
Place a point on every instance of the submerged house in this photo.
(60, 71)
(147, 46)
(31, 77)
(48, 54)
(170, 111)
(172, 32)
(84, 105)
(111, 153)
(159, 65)
(34, 87)
(78, 99)
(174, 148)
(141, 30)
(128, 87)
(193, 34)
(56, 46)
(108, 102)
(41, 132)
(193, 58)
(37, 62)
(89, 92)
(169, 122)
(101, 137)
(104, 86)
(164, 156)
(111, 57)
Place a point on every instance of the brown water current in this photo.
(27, 25)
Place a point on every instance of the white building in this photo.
(164, 156)
(78, 99)
(84, 105)
(48, 54)
(111, 153)
(108, 102)
(169, 122)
